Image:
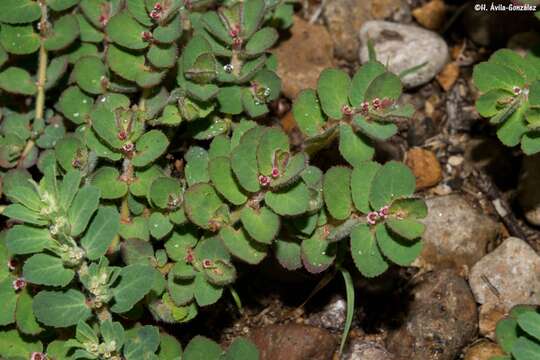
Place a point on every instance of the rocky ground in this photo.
(480, 255)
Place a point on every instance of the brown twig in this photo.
(486, 185)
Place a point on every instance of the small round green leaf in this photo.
(201, 203)
(201, 348)
(149, 147)
(89, 73)
(126, 31)
(291, 201)
(18, 81)
(107, 179)
(392, 181)
(337, 192)
(365, 253)
(64, 32)
(261, 224)
(317, 253)
(355, 148)
(165, 192)
(333, 89)
(19, 11)
(397, 249)
(219, 169)
(19, 40)
(288, 253)
(242, 246)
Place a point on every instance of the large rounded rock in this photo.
(456, 234)
(345, 17)
(404, 47)
(442, 319)
(303, 56)
(508, 276)
(293, 342)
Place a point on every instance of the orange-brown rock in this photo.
(483, 350)
(425, 166)
(431, 15)
(448, 76)
(303, 56)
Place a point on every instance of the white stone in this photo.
(403, 47)
(508, 276)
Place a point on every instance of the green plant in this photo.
(519, 334)
(510, 96)
(510, 87)
(117, 226)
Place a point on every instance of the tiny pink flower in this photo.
(19, 284)
(12, 264)
(275, 172)
(103, 19)
(383, 212)
(517, 90)
(128, 148)
(234, 32)
(190, 257)
(376, 103)
(207, 263)
(365, 107)
(147, 36)
(372, 217)
(264, 180)
(38, 356)
(122, 135)
(237, 42)
(347, 110)
(156, 12)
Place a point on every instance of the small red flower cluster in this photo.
(38, 356)
(147, 36)
(376, 104)
(265, 180)
(234, 32)
(19, 284)
(156, 12)
(374, 216)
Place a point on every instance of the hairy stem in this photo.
(41, 79)
(236, 62)
(124, 211)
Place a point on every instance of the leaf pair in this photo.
(365, 104)
(519, 334)
(201, 271)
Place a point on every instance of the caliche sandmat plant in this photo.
(510, 88)
(510, 97)
(136, 172)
